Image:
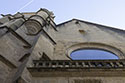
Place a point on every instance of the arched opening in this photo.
(92, 54)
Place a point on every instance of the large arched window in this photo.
(92, 54)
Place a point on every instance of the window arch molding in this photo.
(100, 46)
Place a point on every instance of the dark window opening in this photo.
(44, 57)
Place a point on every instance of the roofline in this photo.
(28, 12)
(89, 23)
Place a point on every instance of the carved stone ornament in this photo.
(33, 27)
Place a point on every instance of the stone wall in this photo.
(78, 80)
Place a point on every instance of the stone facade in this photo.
(33, 49)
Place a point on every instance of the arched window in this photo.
(92, 54)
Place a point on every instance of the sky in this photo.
(106, 12)
(92, 54)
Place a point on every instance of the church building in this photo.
(34, 49)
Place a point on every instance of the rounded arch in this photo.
(92, 54)
(100, 46)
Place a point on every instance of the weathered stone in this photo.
(33, 49)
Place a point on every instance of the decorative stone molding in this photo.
(92, 45)
(36, 22)
(33, 27)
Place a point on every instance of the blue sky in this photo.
(106, 12)
(92, 54)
